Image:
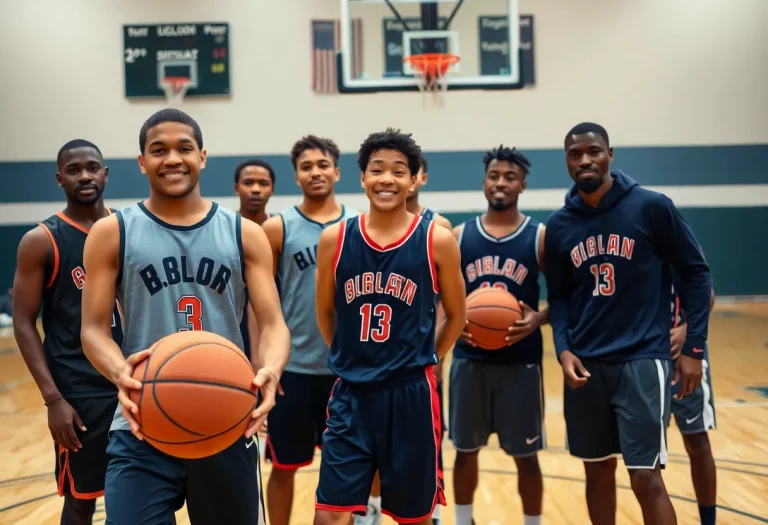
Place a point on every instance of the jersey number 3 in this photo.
(383, 316)
(193, 307)
(604, 283)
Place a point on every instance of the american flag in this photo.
(326, 42)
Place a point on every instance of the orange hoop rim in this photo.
(176, 83)
(432, 63)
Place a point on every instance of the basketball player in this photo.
(607, 254)
(296, 424)
(379, 275)
(695, 415)
(501, 391)
(254, 185)
(50, 274)
(373, 513)
(178, 262)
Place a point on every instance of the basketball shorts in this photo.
(695, 414)
(506, 400)
(623, 409)
(393, 428)
(81, 473)
(146, 487)
(296, 423)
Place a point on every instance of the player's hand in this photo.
(525, 326)
(689, 372)
(467, 338)
(677, 338)
(575, 374)
(125, 383)
(61, 420)
(267, 380)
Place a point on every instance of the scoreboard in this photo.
(199, 52)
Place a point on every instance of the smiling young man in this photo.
(296, 424)
(609, 254)
(502, 391)
(378, 278)
(49, 273)
(144, 255)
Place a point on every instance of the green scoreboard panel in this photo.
(153, 52)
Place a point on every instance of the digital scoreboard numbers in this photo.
(199, 52)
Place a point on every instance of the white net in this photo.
(175, 88)
(431, 71)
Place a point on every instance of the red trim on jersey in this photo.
(55, 271)
(431, 258)
(373, 244)
(339, 245)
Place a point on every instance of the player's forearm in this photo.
(544, 316)
(326, 323)
(448, 332)
(274, 346)
(559, 317)
(31, 348)
(102, 351)
(255, 337)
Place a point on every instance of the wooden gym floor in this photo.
(738, 347)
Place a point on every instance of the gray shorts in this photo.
(696, 413)
(507, 400)
(623, 409)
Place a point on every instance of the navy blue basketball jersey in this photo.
(385, 304)
(511, 263)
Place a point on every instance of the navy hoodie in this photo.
(609, 275)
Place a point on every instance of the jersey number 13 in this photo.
(375, 323)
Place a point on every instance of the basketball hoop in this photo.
(430, 70)
(175, 88)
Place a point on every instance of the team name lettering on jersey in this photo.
(596, 245)
(489, 265)
(174, 271)
(306, 257)
(374, 283)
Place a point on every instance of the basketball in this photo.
(197, 394)
(490, 313)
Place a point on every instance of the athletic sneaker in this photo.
(372, 517)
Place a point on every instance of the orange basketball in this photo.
(490, 313)
(197, 394)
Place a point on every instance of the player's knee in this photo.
(697, 444)
(83, 509)
(600, 470)
(646, 482)
(282, 475)
(465, 459)
(325, 517)
(528, 466)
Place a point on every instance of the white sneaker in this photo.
(372, 517)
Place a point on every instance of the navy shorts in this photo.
(81, 473)
(695, 414)
(296, 423)
(393, 428)
(146, 487)
(623, 409)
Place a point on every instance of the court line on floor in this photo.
(583, 481)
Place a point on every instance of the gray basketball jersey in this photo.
(296, 279)
(175, 278)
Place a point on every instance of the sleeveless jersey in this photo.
(296, 275)
(175, 278)
(74, 375)
(511, 263)
(385, 304)
(244, 332)
(428, 214)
